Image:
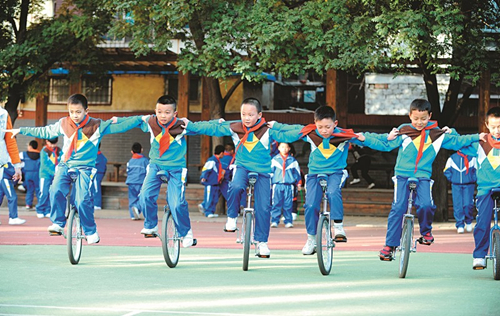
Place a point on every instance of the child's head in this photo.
(166, 109)
(284, 148)
(493, 121)
(251, 111)
(77, 107)
(420, 113)
(136, 148)
(33, 145)
(325, 120)
(51, 143)
(219, 151)
(229, 148)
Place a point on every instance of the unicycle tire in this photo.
(247, 238)
(496, 254)
(74, 236)
(324, 245)
(405, 247)
(170, 241)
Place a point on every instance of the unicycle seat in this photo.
(412, 183)
(495, 194)
(162, 174)
(73, 174)
(252, 177)
(323, 180)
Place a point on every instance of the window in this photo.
(172, 88)
(59, 90)
(97, 90)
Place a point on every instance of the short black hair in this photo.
(33, 144)
(219, 149)
(494, 112)
(53, 140)
(229, 146)
(136, 148)
(254, 102)
(166, 99)
(325, 112)
(420, 105)
(79, 99)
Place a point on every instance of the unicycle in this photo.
(324, 240)
(248, 225)
(406, 243)
(74, 233)
(494, 253)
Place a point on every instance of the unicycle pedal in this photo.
(53, 233)
(150, 235)
(195, 242)
(262, 256)
(230, 230)
(340, 238)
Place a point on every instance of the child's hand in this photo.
(483, 137)
(221, 120)
(299, 187)
(145, 118)
(270, 124)
(17, 174)
(14, 131)
(393, 134)
(114, 120)
(185, 120)
(446, 129)
(203, 180)
(361, 137)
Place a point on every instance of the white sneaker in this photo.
(310, 246)
(339, 232)
(16, 221)
(263, 250)
(212, 215)
(460, 230)
(137, 215)
(150, 231)
(21, 188)
(282, 218)
(47, 215)
(354, 181)
(230, 224)
(468, 227)
(93, 239)
(371, 185)
(201, 209)
(187, 241)
(97, 208)
(40, 215)
(294, 216)
(274, 225)
(479, 263)
(54, 228)
(288, 225)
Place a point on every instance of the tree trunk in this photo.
(13, 101)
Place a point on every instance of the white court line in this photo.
(128, 311)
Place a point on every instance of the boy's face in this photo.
(493, 125)
(419, 119)
(249, 115)
(165, 113)
(77, 112)
(284, 149)
(326, 126)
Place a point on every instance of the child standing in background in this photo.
(31, 169)
(101, 167)
(212, 175)
(137, 168)
(50, 156)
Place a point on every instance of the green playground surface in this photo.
(119, 280)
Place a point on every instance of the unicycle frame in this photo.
(247, 231)
(324, 246)
(495, 233)
(74, 243)
(408, 220)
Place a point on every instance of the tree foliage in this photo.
(29, 50)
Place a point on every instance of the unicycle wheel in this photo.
(324, 245)
(405, 247)
(74, 236)
(170, 240)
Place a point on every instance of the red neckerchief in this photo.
(284, 164)
(54, 152)
(492, 142)
(343, 132)
(434, 124)
(221, 171)
(73, 145)
(247, 132)
(137, 156)
(99, 152)
(466, 161)
(165, 138)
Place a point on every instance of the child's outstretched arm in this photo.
(454, 141)
(286, 133)
(45, 132)
(210, 128)
(380, 142)
(117, 125)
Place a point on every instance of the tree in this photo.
(29, 50)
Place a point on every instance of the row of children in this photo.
(418, 144)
